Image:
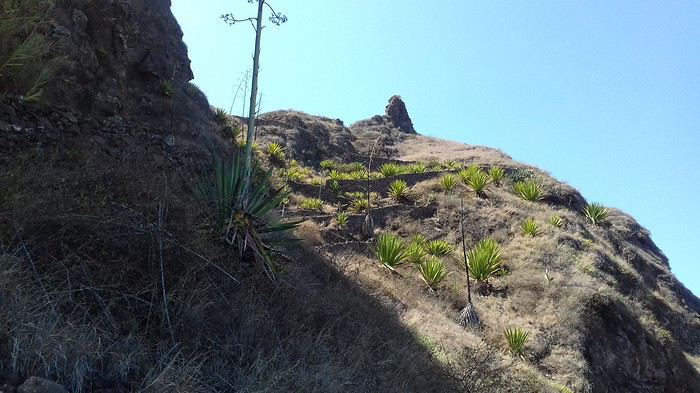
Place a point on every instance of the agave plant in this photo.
(452, 165)
(496, 174)
(448, 183)
(529, 227)
(516, 338)
(342, 219)
(556, 221)
(359, 205)
(478, 181)
(333, 185)
(328, 165)
(350, 167)
(415, 253)
(311, 204)
(276, 152)
(221, 115)
(529, 190)
(596, 213)
(240, 214)
(433, 272)
(418, 167)
(485, 261)
(467, 173)
(389, 169)
(398, 190)
(438, 248)
(390, 250)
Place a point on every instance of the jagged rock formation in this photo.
(398, 115)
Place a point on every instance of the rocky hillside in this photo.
(111, 281)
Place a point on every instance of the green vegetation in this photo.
(390, 169)
(478, 181)
(496, 174)
(294, 173)
(350, 167)
(529, 227)
(167, 88)
(596, 213)
(415, 253)
(333, 185)
(418, 167)
(390, 250)
(398, 190)
(516, 338)
(452, 165)
(467, 173)
(341, 219)
(556, 221)
(485, 260)
(448, 183)
(245, 226)
(359, 205)
(328, 165)
(276, 152)
(529, 190)
(221, 115)
(311, 204)
(519, 174)
(438, 248)
(433, 272)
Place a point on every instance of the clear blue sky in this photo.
(604, 95)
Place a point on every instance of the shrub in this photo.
(341, 219)
(221, 115)
(556, 221)
(276, 152)
(478, 181)
(244, 225)
(328, 165)
(359, 175)
(433, 272)
(528, 190)
(390, 169)
(398, 190)
(496, 174)
(485, 260)
(439, 248)
(529, 227)
(516, 339)
(294, 173)
(333, 185)
(390, 251)
(596, 213)
(311, 204)
(415, 253)
(467, 173)
(519, 174)
(418, 167)
(448, 183)
(359, 205)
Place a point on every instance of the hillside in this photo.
(111, 279)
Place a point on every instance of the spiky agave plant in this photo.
(276, 152)
(496, 174)
(596, 213)
(415, 253)
(432, 272)
(390, 251)
(311, 204)
(418, 167)
(398, 190)
(245, 223)
(448, 183)
(478, 181)
(468, 316)
(328, 165)
(529, 227)
(389, 169)
(556, 221)
(342, 219)
(516, 338)
(439, 248)
(467, 173)
(484, 262)
(529, 190)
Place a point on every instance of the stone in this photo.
(398, 115)
(40, 385)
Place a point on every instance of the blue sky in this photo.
(604, 95)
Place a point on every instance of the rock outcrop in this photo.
(398, 115)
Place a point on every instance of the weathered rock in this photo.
(40, 385)
(398, 115)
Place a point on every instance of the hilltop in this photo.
(111, 279)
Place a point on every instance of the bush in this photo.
(516, 339)
(556, 221)
(390, 251)
(390, 169)
(529, 227)
(328, 165)
(596, 213)
(478, 181)
(439, 248)
(398, 190)
(496, 174)
(485, 260)
(311, 204)
(341, 219)
(433, 272)
(415, 253)
(276, 152)
(245, 226)
(519, 174)
(528, 190)
(448, 183)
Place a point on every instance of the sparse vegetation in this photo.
(448, 183)
(311, 204)
(466, 174)
(341, 219)
(529, 190)
(418, 167)
(439, 248)
(328, 165)
(529, 227)
(390, 169)
(596, 213)
(390, 251)
(398, 190)
(520, 175)
(432, 272)
(221, 115)
(415, 253)
(359, 205)
(556, 221)
(496, 174)
(516, 338)
(452, 165)
(276, 152)
(478, 181)
(167, 88)
(485, 261)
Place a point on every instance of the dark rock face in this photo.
(40, 385)
(398, 115)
